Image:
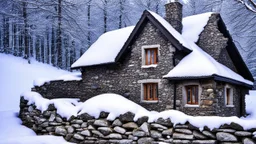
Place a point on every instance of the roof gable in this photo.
(234, 53)
(166, 29)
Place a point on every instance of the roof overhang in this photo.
(214, 77)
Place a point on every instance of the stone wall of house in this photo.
(124, 78)
(212, 99)
(238, 100)
(212, 41)
(124, 130)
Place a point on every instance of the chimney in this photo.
(173, 11)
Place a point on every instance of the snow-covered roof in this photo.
(170, 29)
(105, 49)
(197, 64)
(194, 25)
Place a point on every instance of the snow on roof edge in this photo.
(199, 63)
(194, 25)
(105, 48)
(170, 29)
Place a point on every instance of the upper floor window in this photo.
(151, 56)
(228, 96)
(150, 91)
(192, 94)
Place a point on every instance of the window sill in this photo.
(144, 101)
(189, 105)
(230, 106)
(149, 66)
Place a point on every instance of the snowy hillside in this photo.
(17, 76)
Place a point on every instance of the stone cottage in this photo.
(189, 64)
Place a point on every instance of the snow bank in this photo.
(112, 103)
(105, 49)
(250, 104)
(17, 76)
(65, 107)
(194, 25)
(12, 132)
(76, 76)
(116, 105)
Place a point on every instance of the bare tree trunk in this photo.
(6, 34)
(105, 15)
(15, 53)
(59, 39)
(48, 45)
(53, 48)
(89, 23)
(26, 35)
(121, 13)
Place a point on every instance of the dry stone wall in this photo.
(87, 129)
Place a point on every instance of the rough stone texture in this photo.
(248, 141)
(182, 136)
(243, 133)
(130, 125)
(138, 133)
(204, 142)
(174, 15)
(226, 137)
(214, 43)
(144, 127)
(78, 137)
(119, 130)
(199, 135)
(127, 117)
(129, 132)
(105, 130)
(60, 130)
(146, 140)
(209, 134)
(212, 99)
(101, 122)
(185, 131)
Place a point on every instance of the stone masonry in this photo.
(213, 42)
(212, 99)
(123, 130)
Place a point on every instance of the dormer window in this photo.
(150, 55)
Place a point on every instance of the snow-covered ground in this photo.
(250, 105)
(17, 76)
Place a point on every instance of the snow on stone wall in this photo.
(85, 128)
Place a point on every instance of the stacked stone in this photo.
(86, 129)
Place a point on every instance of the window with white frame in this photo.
(150, 55)
(149, 90)
(228, 96)
(192, 94)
